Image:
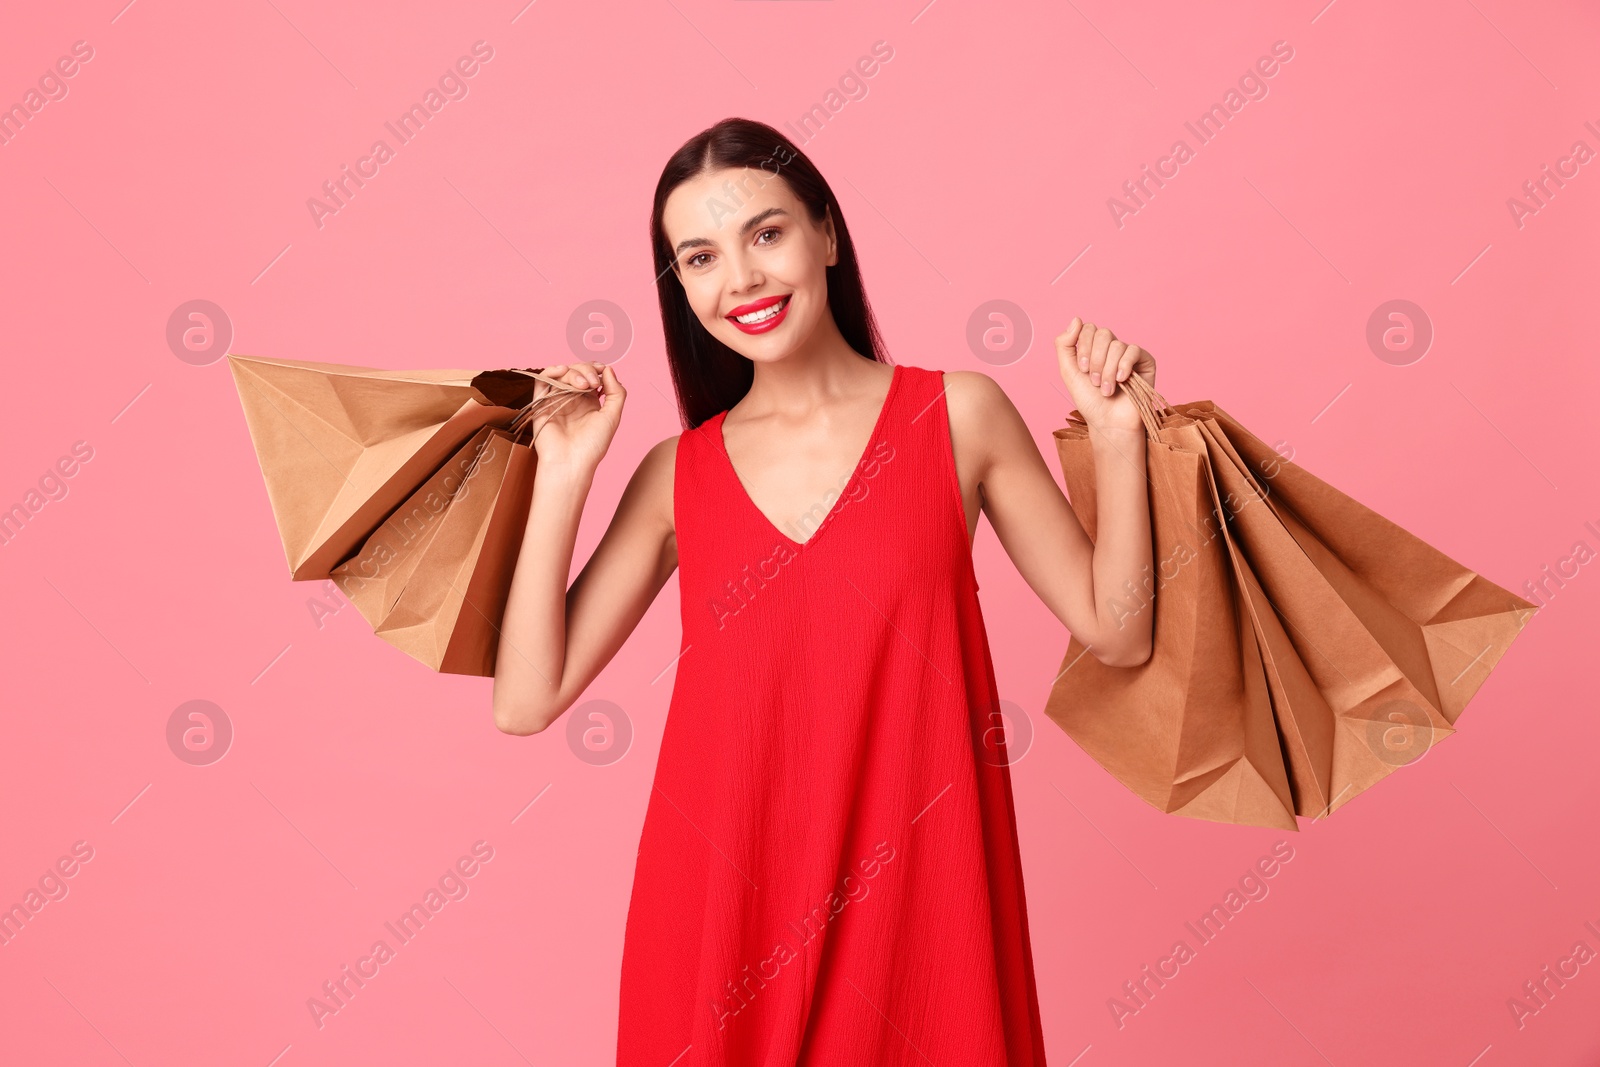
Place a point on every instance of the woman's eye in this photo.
(693, 260)
(776, 233)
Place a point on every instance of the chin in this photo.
(776, 352)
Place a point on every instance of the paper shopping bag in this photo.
(1393, 635)
(409, 488)
(1191, 730)
(1454, 621)
(1370, 641)
(375, 576)
(341, 446)
(433, 580)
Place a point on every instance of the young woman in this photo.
(828, 872)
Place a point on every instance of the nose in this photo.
(743, 275)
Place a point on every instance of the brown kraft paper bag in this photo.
(433, 580)
(410, 489)
(341, 446)
(1394, 635)
(1370, 642)
(1191, 729)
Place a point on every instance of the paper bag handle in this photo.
(547, 403)
(1152, 405)
(1149, 402)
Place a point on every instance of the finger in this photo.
(1069, 337)
(612, 392)
(574, 375)
(1065, 352)
(1085, 345)
(1130, 359)
(1146, 367)
(1097, 354)
(1109, 372)
(1125, 365)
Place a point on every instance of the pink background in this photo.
(977, 167)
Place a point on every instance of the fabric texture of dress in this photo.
(828, 872)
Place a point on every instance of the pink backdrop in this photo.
(1376, 163)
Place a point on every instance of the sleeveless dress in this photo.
(828, 872)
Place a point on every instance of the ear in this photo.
(831, 236)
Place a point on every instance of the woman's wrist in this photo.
(560, 491)
(566, 473)
(1118, 434)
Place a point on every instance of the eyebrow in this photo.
(750, 224)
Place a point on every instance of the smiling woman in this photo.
(838, 691)
(753, 185)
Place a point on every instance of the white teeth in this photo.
(764, 314)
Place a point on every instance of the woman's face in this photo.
(752, 262)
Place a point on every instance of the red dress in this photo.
(828, 872)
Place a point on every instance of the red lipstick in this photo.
(766, 322)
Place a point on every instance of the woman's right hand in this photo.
(581, 428)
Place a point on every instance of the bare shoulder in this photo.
(979, 413)
(662, 457)
(653, 480)
(972, 396)
(656, 469)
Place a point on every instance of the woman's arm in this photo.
(1094, 588)
(555, 640)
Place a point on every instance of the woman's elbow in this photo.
(517, 727)
(511, 718)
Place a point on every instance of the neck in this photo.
(823, 368)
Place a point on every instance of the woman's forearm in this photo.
(1121, 566)
(532, 656)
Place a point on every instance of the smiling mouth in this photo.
(764, 313)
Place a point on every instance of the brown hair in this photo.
(707, 375)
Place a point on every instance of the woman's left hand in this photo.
(1092, 362)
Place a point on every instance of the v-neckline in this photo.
(877, 426)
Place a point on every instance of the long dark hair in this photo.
(707, 375)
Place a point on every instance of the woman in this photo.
(828, 871)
